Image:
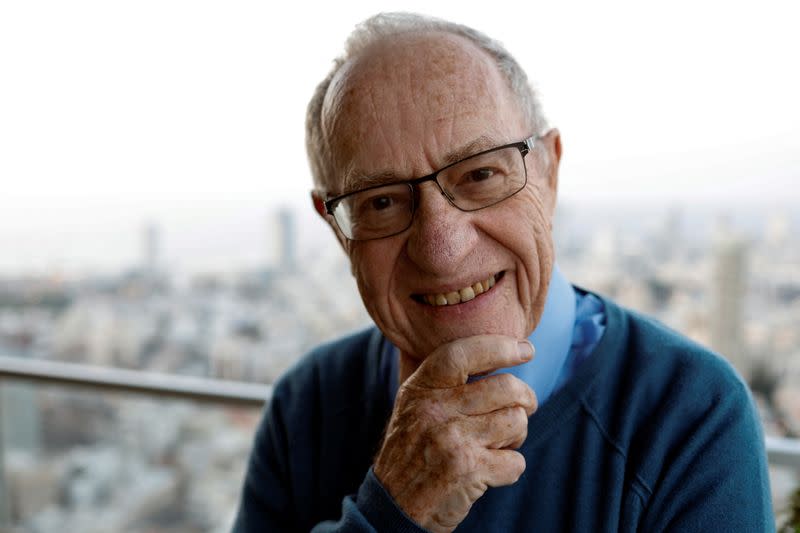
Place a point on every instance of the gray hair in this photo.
(385, 26)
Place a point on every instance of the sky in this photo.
(189, 114)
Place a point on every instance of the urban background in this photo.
(84, 461)
(151, 154)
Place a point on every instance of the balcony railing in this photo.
(107, 379)
(780, 451)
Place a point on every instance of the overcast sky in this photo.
(190, 113)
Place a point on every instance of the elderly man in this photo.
(435, 169)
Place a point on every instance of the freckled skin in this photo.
(447, 442)
(400, 107)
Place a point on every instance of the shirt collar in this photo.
(552, 339)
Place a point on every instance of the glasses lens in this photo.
(484, 179)
(375, 213)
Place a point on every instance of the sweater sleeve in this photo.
(715, 473)
(267, 502)
(373, 510)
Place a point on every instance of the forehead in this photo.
(403, 104)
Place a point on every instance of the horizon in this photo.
(234, 240)
(200, 124)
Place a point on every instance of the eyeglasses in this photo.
(474, 183)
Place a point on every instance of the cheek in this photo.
(531, 244)
(532, 223)
(363, 269)
(372, 264)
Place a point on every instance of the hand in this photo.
(448, 441)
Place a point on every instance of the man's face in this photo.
(403, 110)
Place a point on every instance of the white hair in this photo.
(385, 26)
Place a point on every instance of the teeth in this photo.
(464, 295)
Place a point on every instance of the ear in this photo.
(552, 146)
(319, 203)
(319, 207)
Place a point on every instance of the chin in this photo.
(434, 339)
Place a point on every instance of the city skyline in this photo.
(229, 239)
(200, 126)
(82, 454)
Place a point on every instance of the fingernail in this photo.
(525, 350)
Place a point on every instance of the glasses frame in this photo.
(525, 146)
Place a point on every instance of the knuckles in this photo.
(434, 457)
(428, 431)
(517, 464)
(520, 417)
(429, 412)
(515, 390)
(447, 363)
(513, 422)
(456, 459)
(508, 384)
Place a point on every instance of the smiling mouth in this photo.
(462, 295)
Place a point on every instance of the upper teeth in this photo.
(462, 295)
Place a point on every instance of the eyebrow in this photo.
(354, 181)
(484, 142)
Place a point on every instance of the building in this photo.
(728, 289)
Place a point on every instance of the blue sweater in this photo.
(652, 433)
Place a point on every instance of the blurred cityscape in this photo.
(109, 462)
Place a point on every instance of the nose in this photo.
(441, 236)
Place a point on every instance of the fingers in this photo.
(502, 467)
(447, 440)
(493, 393)
(451, 364)
(504, 428)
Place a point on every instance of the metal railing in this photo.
(134, 381)
(121, 381)
(783, 452)
(780, 451)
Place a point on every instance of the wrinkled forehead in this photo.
(411, 97)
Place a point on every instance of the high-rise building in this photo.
(728, 286)
(287, 240)
(20, 425)
(5, 496)
(20, 432)
(669, 239)
(151, 244)
(778, 230)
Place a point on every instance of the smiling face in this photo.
(403, 109)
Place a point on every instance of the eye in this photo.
(381, 202)
(479, 174)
